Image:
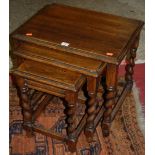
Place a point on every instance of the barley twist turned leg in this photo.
(130, 60)
(111, 79)
(91, 110)
(92, 107)
(26, 105)
(110, 102)
(71, 99)
(100, 99)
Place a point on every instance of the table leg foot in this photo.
(89, 133)
(71, 143)
(105, 129)
(29, 131)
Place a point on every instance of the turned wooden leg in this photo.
(100, 100)
(25, 103)
(71, 99)
(130, 63)
(110, 94)
(92, 107)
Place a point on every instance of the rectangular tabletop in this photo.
(50, 75)
(84, 65)
(79, 31)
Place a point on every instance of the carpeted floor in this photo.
(126, 137)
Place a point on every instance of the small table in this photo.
(88, 35)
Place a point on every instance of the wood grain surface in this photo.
(92, 34)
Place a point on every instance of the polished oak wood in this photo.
(89, 33)
(111, 105)
(79, 41)
(69, 82)
(61, 59)
(50, 75)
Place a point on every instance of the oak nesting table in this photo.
(89, 43)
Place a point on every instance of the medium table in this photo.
(62, 33)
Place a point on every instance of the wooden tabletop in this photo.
(87, 33)
(50, 75)
(83, 65)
